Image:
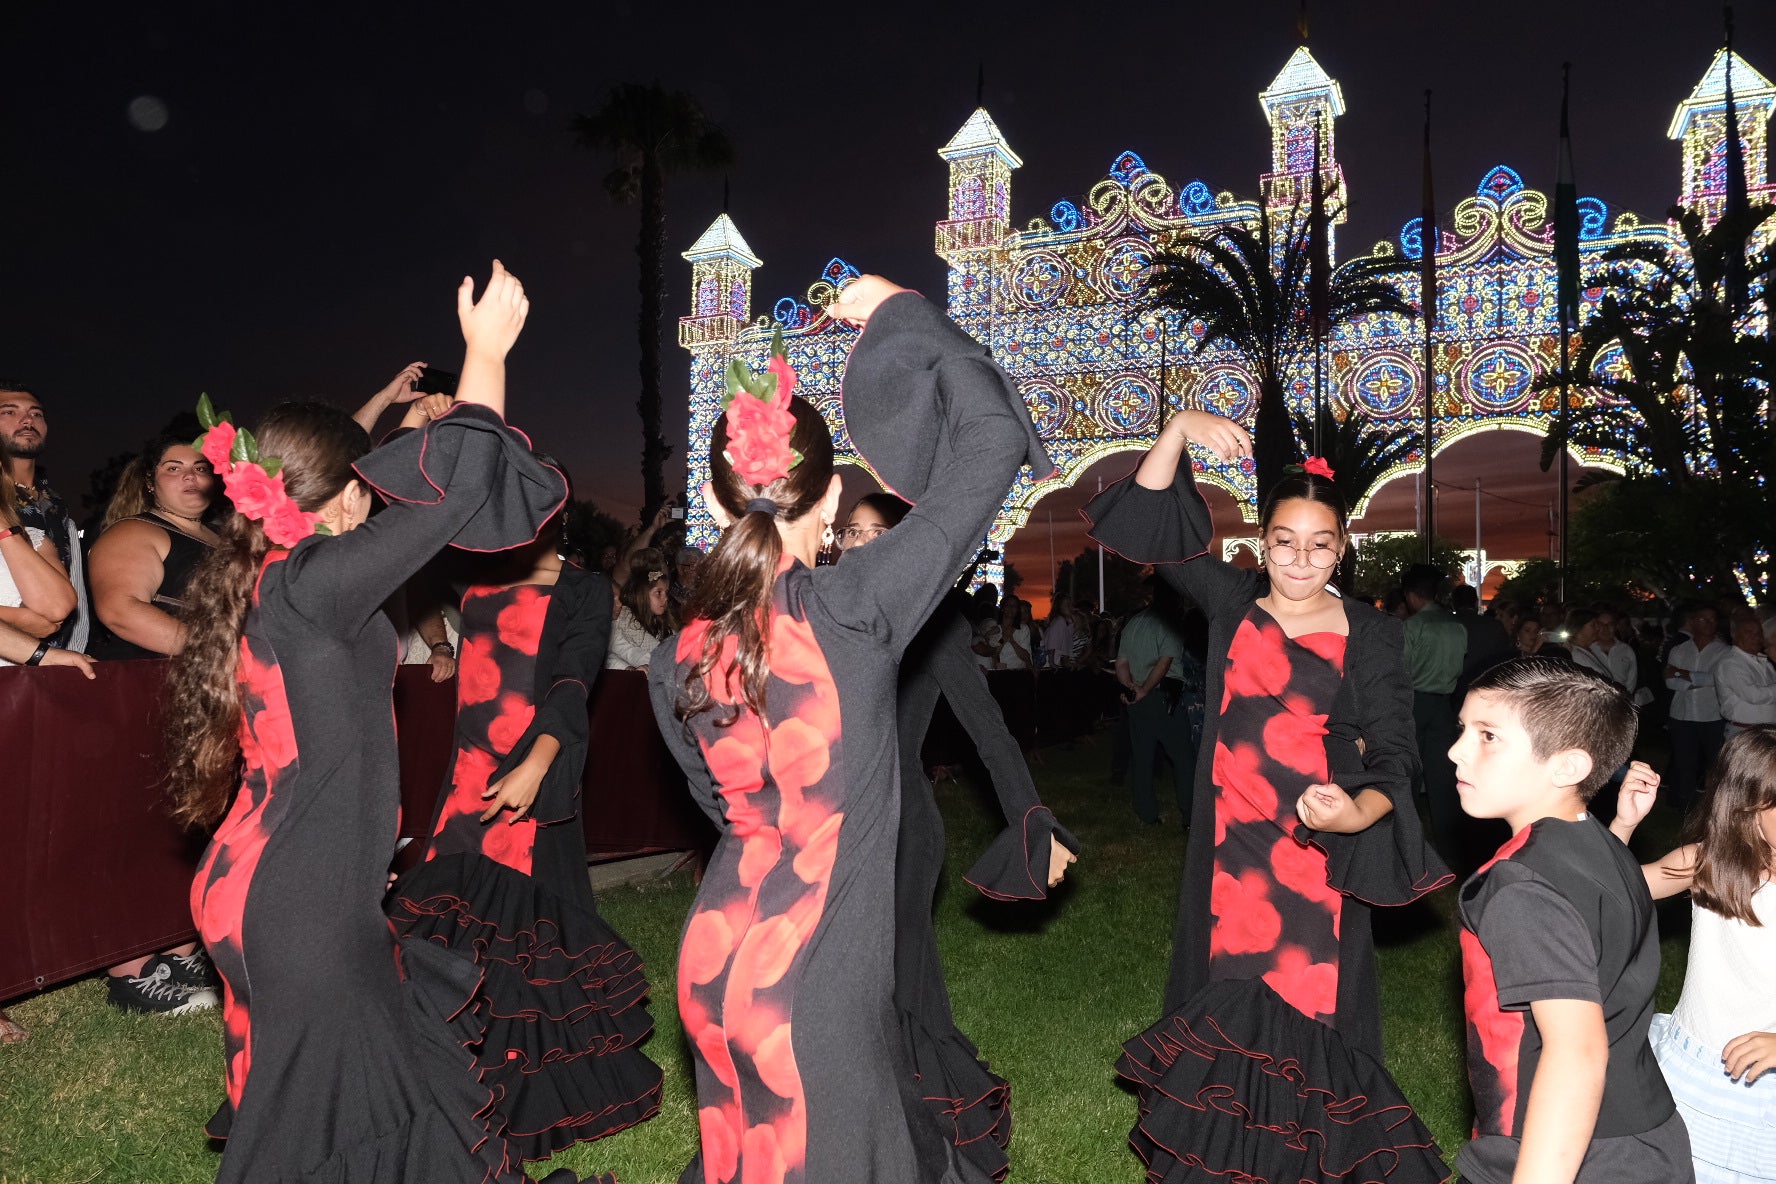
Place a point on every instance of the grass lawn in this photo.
(1048, 992)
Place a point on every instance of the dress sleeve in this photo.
(562, 712)
(663, 691)
(1015, 865)
(945, 428)
(466, 480)
(1171, 529)
(1390, 863)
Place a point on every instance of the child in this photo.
(1718, 1046)
(1560, 949)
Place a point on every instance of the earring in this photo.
(826, 535)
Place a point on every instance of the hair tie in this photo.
(762, 505)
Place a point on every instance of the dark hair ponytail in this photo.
(735, 581)
(317, 445)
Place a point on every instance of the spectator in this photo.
(1059, 636)
(684, 584)
(1436, 645)
(1151, 668)
(36, 595)
(155, 535)
(1016, 649)
(1695, 726)
(1489, 643)
(989, 641)
(1532, 640)
(23, 429)
(646, 617)
(639, 553)
(1616, 657)
(1745, 681)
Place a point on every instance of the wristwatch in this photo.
(36, 658)
(449, 650)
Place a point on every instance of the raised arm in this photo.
(947, 430)
(1156, 515)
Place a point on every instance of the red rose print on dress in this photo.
(1256, 668)
(1309, 987)
(477, 672)
(1245, 920)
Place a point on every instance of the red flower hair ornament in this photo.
(1314, 464)
(759, 419)
(253, 483)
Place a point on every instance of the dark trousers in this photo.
(1151, 729)
(1693, 749)
(1433, 717)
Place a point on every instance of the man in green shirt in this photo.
(1150, 664)
(1436, 644)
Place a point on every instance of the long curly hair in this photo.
(135, 485)
(735, 581)
(317, 445)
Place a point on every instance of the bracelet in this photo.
(6, 532)
(36, 658)
(449, 650)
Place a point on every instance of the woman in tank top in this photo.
(154, 537)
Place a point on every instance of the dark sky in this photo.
(325, 174)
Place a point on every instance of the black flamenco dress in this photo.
(972, 1103)
(1267, 1066)
(786, 970)
(349, 1053)
(565, 994)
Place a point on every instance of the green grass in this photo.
(1048, 992)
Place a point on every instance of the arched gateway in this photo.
(1056, 301)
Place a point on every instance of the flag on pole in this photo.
(1738, 203)
(1428, 235)
(1566, 218)
(1319, 257)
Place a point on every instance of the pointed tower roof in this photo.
(1751, 91)
(722, 238)
(1302, 78)
(980, 135)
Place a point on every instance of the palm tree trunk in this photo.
(1273, 445)
(651, 252)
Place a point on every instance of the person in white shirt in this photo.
(1015, 647)
(1695, 726)
(1616, 659)
(1744, 679)
(1060, 635)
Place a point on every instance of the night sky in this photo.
(285, 209)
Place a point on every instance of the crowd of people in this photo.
(793, 671)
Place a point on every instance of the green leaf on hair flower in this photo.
(206, 412)
(245, 447)
(272, 465)
(798, 457)
(738, 377)
(323, 528)
(777, 347)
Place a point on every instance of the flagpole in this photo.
(1567, 315)
(1428, 239)
(1319, 263)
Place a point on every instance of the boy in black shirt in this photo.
(1560, 949)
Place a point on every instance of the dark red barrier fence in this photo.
(93, 872)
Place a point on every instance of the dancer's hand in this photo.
(1223, 437)
(1058, 859)
(401, 387)
(1640, 789)
(491, 325)
(1751, 1055)
(61, 657)
(1329, 808)
(860, 299)
(516, 791)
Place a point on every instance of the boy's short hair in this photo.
(1563, 706)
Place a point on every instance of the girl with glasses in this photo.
(1308, 823)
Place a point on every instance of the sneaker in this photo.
(156, 993)
(194, 971)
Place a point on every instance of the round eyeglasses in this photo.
(1284, 555)
(851, 536)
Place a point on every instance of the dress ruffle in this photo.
(448, 1135)
(522, 493)
(1238, 1085)
(564, 997)
(1015, 865)
(972, 1103)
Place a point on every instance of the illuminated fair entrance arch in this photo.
(1057, 302)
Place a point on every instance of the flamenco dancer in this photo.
(1027, 859)
(504, 880)
(777, 698)
(347, 1051)
(1267, 1065)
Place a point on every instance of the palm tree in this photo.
(1360, 450)
(651, 132)
(1251, 292)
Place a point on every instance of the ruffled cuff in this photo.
(1152, 525)
(902, 381)
(1386, 865)
(1015, 865)
(471, 452)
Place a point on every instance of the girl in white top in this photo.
(643, 620)
(1718, 1048)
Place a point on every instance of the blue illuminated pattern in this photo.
(1387, 386)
